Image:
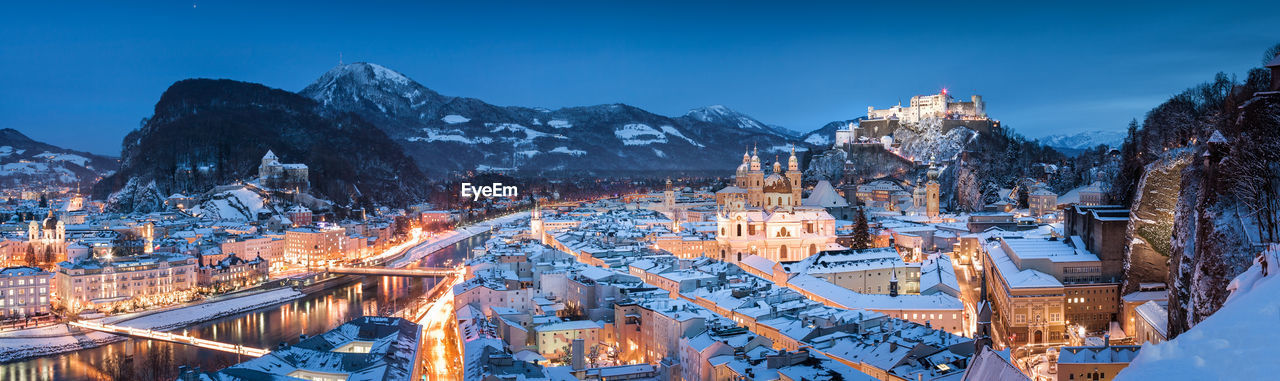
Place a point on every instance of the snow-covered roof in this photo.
(1018, 278)
(392, 347)
(1109, 354)
(846, 298)
(990, 365)
(573, 325)
(824, 195)
(1156, 315)
(757, 262)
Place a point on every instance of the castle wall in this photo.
(884, 127)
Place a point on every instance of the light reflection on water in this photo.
(311, 315)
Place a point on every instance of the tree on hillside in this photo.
(1023, 195)
(968, 193)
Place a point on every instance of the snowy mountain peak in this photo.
(367, 73)
(449, 133)
(346, 86)
(1085, 140)
(720, 114)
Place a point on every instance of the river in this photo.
(263, 328)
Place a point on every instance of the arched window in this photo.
(813, 249)
(782, 252)
(739, 230)
(779, 200)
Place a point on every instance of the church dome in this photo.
(743, 169)
(50, 222)
(775, 183)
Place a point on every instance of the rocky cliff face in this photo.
(1151, 220)
(1222, 210)
(212, 132)
(446, 134)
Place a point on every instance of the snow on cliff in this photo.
(1235, 343)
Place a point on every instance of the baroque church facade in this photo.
(763, 215)
(48, 236)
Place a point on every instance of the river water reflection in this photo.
(263, 328)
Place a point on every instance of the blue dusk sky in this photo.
(82, 74)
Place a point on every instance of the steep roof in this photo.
(989, 365)
(824, 195)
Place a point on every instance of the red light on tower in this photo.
(944, 91)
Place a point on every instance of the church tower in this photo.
(149, 234)
(893, 282)
(535, 223)
(918, 195)
(932, 190)
(793, 175)
(755, 181)
(669, 198)
(982, 338)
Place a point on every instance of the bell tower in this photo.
(793, 176)
(932, 190)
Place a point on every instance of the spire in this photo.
(893, 282)
(793, 163)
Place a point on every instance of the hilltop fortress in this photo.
(952, 112)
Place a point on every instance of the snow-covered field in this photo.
(455, 119)
(235, 205)
(62, 338)
(638, 134)
(567, 151)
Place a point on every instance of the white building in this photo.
(940, 105)
(764, 216)
(24, 291)
(153, 279)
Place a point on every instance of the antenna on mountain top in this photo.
(339, 58)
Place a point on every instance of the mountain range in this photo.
(371, 135)
(205, 133)
(1070, 143)
(26, 162)
(448, 134)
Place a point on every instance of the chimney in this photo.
(1106, 340)
(579, 360)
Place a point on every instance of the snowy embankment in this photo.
(61, 338)
(1231, 344)
(452, 237)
